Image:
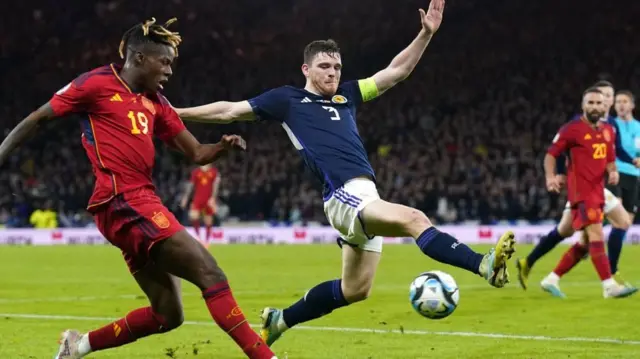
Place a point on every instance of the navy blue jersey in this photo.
(322, 129)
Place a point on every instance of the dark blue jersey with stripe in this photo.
(322, 129)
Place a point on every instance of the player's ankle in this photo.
(84, 346)
(609, 283)
(282, 325)
(553, 277)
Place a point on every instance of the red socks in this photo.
(196, 227)
(600, 259)
(139, 323)
(207, 233)
(572, 257)
(229, 317)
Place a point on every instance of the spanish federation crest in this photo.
(148, 105)
(339, 99)
(606, 134)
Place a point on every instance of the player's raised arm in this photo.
(23, 130)
(218, 112)
(403, 64)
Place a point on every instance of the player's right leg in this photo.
(545, 245)
(388, 219)
(182, 256)
(164, 314)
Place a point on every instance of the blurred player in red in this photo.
(204, 183)
(591, 147)
(123, 110)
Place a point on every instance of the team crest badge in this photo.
(592, 214)
(339, 99)
(148, 105)
(606, 134)
(161, 220)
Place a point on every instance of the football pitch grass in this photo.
(44, 290)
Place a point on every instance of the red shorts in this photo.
(202, 207)
(134, 222)
(584, 214)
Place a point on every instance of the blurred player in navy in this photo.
(613, 208)
(123, 111)
(591, 147)
(320, 120)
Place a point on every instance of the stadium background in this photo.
(462, 139)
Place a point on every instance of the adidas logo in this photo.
(116, 98)
(305, 100)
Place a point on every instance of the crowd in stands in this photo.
(461, 139)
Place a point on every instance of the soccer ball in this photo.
(434, 294)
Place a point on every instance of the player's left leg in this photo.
(359, 266)
(382, 218)
(208, 224)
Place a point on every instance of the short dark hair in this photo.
(149, 32)
(603, 83)
(319, 46)
(592, 89)
(627, 93)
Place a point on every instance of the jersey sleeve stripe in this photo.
(368, 89)
(113, 69)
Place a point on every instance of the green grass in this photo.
(93, 282)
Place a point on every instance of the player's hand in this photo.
(636, 162)
(614, 177)
(230, 142)
(183, 204)
(562, 180)
(432, 19)
(552, 184)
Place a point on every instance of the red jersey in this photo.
(203, 183)
(117, 132)
(590, 150)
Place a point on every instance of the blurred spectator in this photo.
(44, 217)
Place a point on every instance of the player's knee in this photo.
(357, 293)
(210, 274)
(414, 222)
(623, 223)
(169, 317)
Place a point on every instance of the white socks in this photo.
(84, 347)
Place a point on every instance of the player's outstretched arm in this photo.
(203, 154)
(23, 130)
(218, 112)
(403, 64)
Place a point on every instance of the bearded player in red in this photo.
(123, 110)
(591, 147)
(204, 183)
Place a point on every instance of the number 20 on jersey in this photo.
(599, 150)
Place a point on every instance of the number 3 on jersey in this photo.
(599, 150)
(139, 118)
(336, 114)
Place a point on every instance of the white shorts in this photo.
(343, 212)
(610, 202)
